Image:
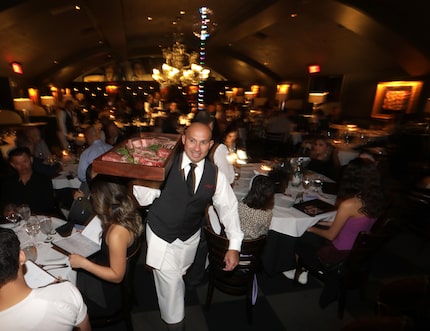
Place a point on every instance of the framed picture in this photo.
(396, 97)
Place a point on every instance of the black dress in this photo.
(101, 297)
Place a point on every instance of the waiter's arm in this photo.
(225, 203)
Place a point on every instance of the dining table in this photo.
(288, 222)
(68, 176)
(47, 258)
(287, 219)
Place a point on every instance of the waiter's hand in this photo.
(231, 260)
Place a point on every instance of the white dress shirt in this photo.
(224, 201)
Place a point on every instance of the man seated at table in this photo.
(27, 186)
(54, 307)
(96, 147)
(39, 164)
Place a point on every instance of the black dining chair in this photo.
(350, 273)
(123, 315)
(242, 280)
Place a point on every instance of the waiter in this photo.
(174, 220)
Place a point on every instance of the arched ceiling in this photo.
(256, 41)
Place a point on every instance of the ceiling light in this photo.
(149, 18)
(180, 68)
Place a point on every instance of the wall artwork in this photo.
(399, 97)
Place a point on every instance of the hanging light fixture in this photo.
(180, 67)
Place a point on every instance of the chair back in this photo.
(239, 280)
(9, 117)
(358, 261)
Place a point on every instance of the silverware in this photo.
(53, 266)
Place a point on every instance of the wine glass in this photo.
(25, 212)
(317, 184)
(47, 228)
(32, 227)
(30, 252)
(306, 182)
(11, 214)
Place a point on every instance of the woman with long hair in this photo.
(360, 201)
(99, 277)
(255, 210)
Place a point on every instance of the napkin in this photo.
(145, 195)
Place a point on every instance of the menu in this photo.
(314, 207)
(84, 243)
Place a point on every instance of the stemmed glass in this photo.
(47, 228)
(30, 252)
(317, 184)
(32, 227)
(12, 215)
(25, 212)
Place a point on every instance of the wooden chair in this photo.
(351, 272)
(124, 313)
(242, 280)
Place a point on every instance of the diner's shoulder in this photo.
(62, 290)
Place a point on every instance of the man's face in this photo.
(22, 164)
(197, 141)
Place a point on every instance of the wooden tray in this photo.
(144, 174)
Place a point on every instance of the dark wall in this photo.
(6, 99)
(359, 90)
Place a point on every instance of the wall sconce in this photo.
(17, 67)
(255, 89)
(111, 89)
(34, 95)
(317, 98)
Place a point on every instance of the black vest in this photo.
(176, 214)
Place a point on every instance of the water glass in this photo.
(25, 212)
(30, 252)
(47, 228)
(317, 184)
(32, 227)
(11, 214)
(306, 183)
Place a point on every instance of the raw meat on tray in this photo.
(151, 152)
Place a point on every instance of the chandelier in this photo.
(180, 67)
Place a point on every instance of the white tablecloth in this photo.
(45, 253)
(287, 220)
(61, 181)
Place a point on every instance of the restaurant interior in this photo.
(367, 62)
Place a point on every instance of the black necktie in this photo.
(191, 178)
